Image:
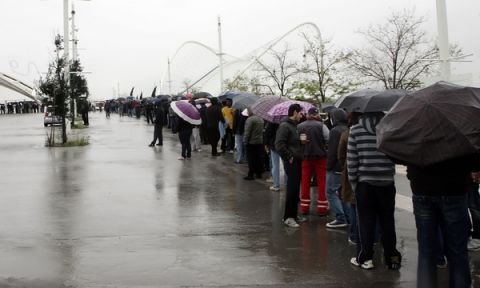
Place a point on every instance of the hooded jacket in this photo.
(364, 162)
(339, 121)
(317, 135)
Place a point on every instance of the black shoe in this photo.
(159, 144)
(151, 145)
(259, 176)
(248, 178)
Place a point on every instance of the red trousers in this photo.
(308, 168)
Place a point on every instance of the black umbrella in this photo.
(432, 125)
(201, 95)
(350, 102)
(131, 91)
(244, 101)
(378, 102)
(154, 91)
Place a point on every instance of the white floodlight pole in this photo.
(443, 40)
(66, 40)
(169, 79)
(220, 53)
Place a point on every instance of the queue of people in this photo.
(354, 181)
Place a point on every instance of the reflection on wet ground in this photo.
(117, 213)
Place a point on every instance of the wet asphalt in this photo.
(117, 213)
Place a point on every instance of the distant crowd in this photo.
(20, 107)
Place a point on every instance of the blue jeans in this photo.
(275, 160)
(451, 215)
(333, 185)
(240, 155)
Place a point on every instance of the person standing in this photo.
(214, 116)
(239, 119)
(314, 160)
(269, 141)
(334, 169)
(287, 143)
(157, 128)
(253, 139)
(184, 134)
(440, 201)
(227, 140)
(371, 175)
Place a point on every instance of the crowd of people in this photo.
(353, 179)
(20, 107)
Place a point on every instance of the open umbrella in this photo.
(264, 104)
(350, 102)
(379, 102)
(243, 101)
(432, 125)
(187, 112)
(201, 95)
(280, 111)
(230, 95)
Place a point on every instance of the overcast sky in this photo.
(129, 41)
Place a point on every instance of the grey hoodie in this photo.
(364, 162)
(339, 120)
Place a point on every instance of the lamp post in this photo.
(442, 27)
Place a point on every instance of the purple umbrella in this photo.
(279, 111)
(187, 112)
(264, 104)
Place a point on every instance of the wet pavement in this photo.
(117, 213)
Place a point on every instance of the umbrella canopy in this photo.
(243, 101)
(264, 104)
(379, 102)
(201, 95)
(230, 95)
(202, 101)
(432, 125)
(280, 111)
(187, 112)
(350, 102)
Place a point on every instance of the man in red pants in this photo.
(313, 136)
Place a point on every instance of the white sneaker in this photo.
(290, 222)
(368, 264)
(273, 188)
(473, 244)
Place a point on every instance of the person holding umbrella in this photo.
(440, 146)
(188, 115)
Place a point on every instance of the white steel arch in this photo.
(17, 86)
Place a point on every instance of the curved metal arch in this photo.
(269, 46)
(18, 86)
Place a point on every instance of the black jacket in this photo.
(448, 178)
(287, 141)
(214, 115)
(239, 123)
(339, 120)
(159, 116)
(270, 135)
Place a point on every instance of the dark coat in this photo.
(159, 117)
(448, 178)
(339, 120)
(287, 141)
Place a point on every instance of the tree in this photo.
(324, 70)
(398, 52)
(246, 84)
(78, 86)
(55, 87)
(281, 71)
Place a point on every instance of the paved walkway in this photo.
(117, 213)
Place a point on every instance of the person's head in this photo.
(294, 112)
(313, 113)
(214, 101)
